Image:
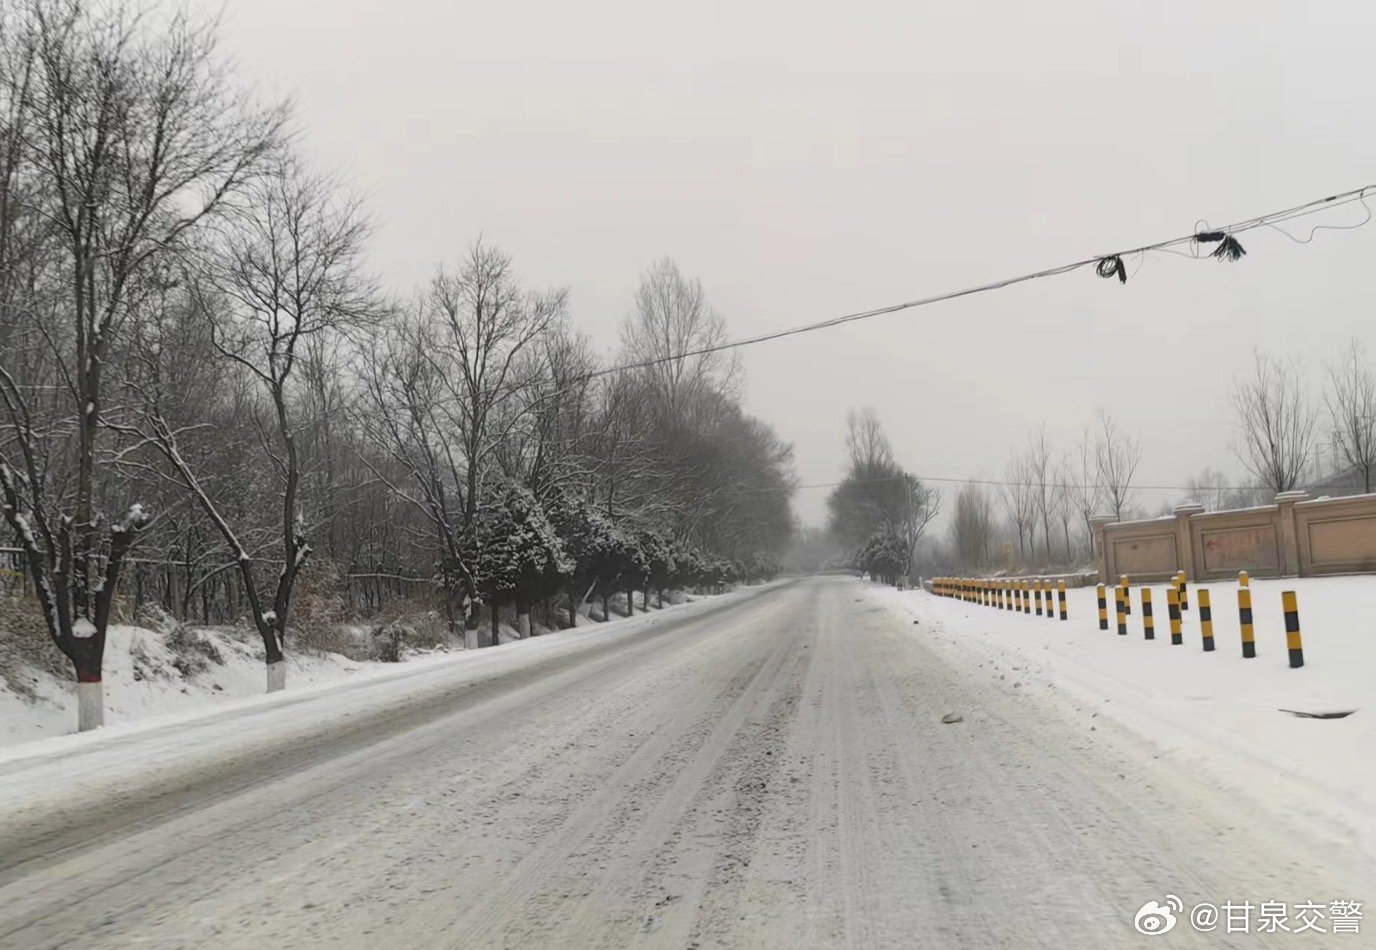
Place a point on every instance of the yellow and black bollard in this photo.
(1173, 608)
(1127, 594)
(1103, 606)
(1292, 629)
(1184, 592)
(1120, 608)
(1148, 621)
(1060, 596)
(1244, 616)
(1037, 594)
(1050, 592)
(1027, 597)
(1206, 620)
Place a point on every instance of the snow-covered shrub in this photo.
(884, 555)
(406, 626)
(192, 651)
(514, 550)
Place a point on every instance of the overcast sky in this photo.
(809, 160)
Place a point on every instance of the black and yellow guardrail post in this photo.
(1026, 597)
(1101, 591)
(1120, 608)
(1037, 594)
(1206, 620)
(1244, 616)
(1148, 621)
(1050, 594)
(1184, 592)
(1060, 596)
(1293, 643)
(1127, 594)
(1173, 608)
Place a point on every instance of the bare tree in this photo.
(866, 443)
(674, 329)
(1116, 457)
(1019, 501)
(972, 526)
(1041, 474)
(1275, 423)
(1081, 478)
(287, 272)
(131, 141)
(447, 389)
(1063, 495)
(1351, 400)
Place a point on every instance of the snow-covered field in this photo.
(147, 679)
(1216, 711)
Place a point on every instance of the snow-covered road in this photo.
(772, 771)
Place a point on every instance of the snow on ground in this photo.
(773, 771)
(1217, 711)
(142, 680)
(146, 678)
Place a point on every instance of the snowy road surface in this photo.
(770, 773)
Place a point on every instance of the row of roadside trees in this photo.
(202, 383)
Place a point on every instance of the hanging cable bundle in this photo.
(1228, 249)
(1108, 266)
(1112, 266)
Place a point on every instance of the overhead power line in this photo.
(1106, 265)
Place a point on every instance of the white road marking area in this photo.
(773, 775)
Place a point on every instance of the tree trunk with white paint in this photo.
(277, 676)
(90, 709)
